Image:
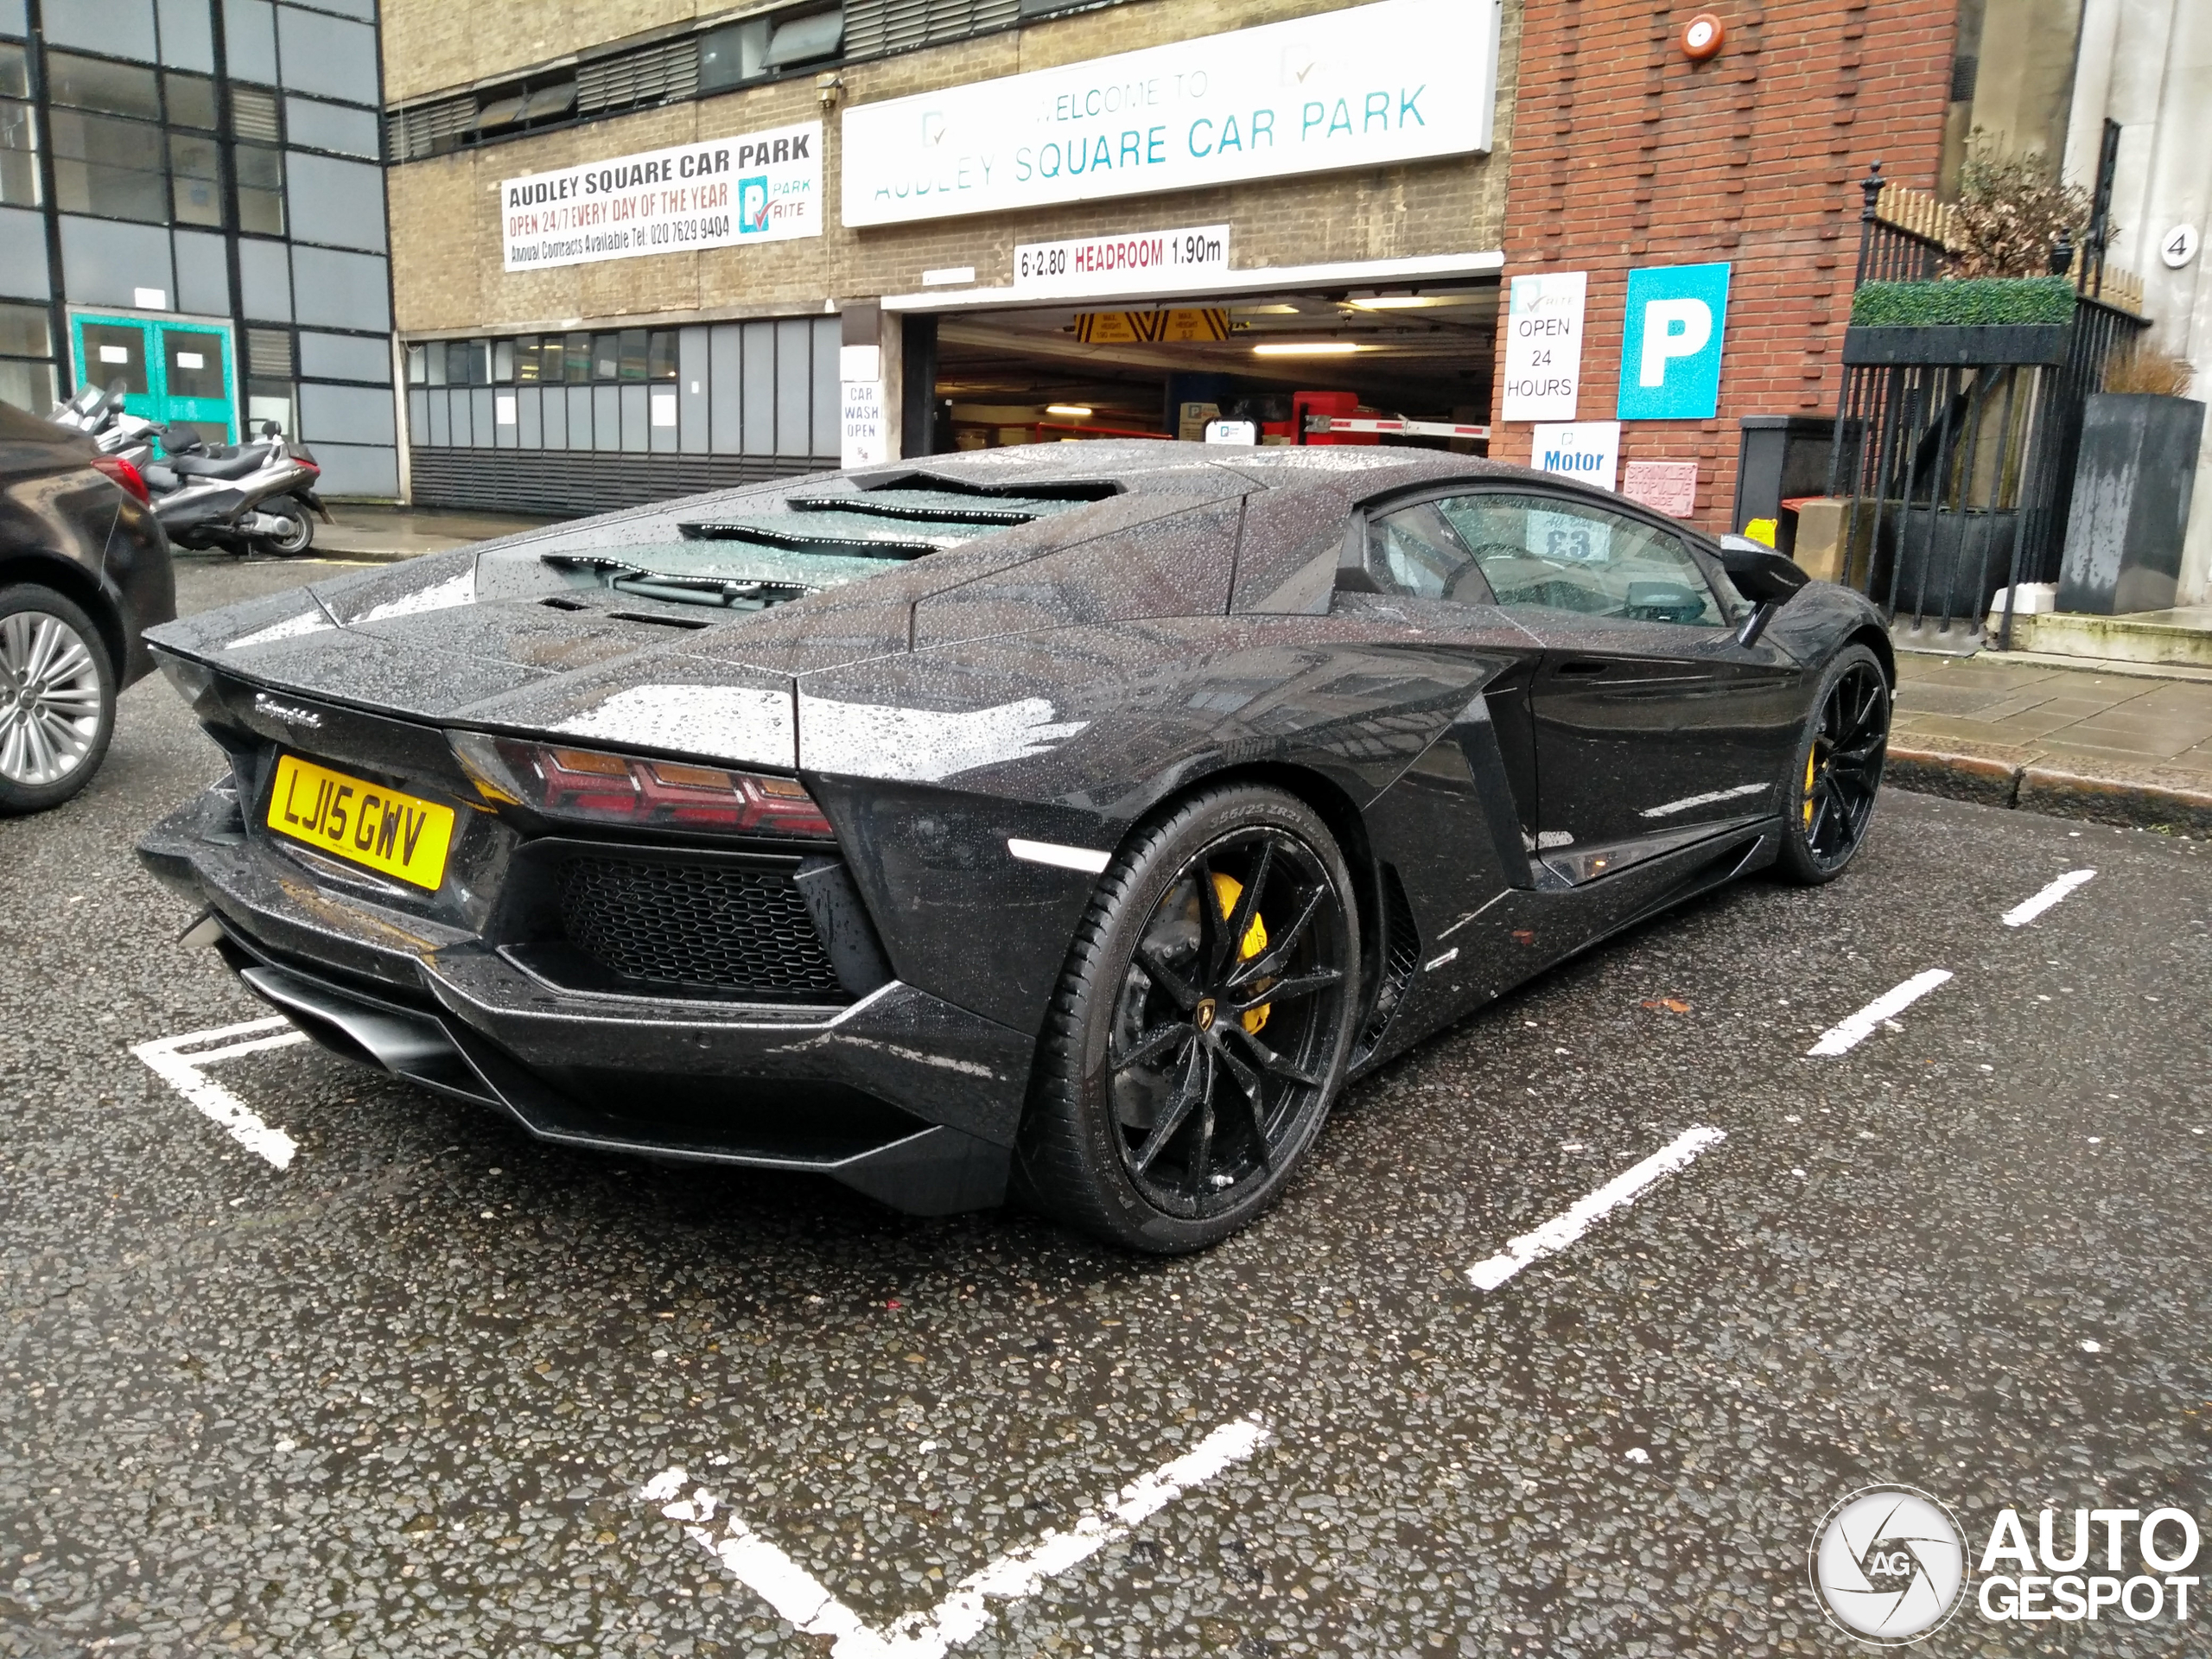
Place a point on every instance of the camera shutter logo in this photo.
(1889, 1564)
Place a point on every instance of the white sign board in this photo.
(863, 434)
(1588, 450)
(1397, 80)
(719, 192)
(1543, 346)
(1110, 265)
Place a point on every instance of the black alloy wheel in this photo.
(1202, 1026)
(1838, 769)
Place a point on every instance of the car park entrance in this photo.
(1333, 363)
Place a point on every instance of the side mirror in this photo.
(1761, 576)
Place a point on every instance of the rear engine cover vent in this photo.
(714, 926)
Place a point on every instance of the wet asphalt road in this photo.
(405, 1397)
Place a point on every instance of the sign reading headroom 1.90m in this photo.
(1396, 80)
(718, 193)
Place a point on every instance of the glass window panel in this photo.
(115, 352)
(18, 156)
(578, 351)
(606, 357)
(196, 201)
(195, 179)
(258, 168)
(94, 83)
(15, 74)
(110, 192)
(1415, 551)
(418, 370)
(527, 359)
(191, 100)
(456, 362)
(732, 55)
(479, 362)
(261, 212)
(193, 364)
(23, 332)
(805, 38)
(435, 355)
(632, 347)
(28, 386)
(193, 156)
(503, 361)
(1567, 557)
(660, 355)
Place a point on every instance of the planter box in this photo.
(1948, 564)
(1992, 344)
(2132, 486)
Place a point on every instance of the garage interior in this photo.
(1081, 370)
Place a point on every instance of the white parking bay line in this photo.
(1842, 1038)
(799, 1596)
(1565, 1228)
(180, 1070)
(2021, 914)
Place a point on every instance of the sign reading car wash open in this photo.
(719, 192)
(1397, 80)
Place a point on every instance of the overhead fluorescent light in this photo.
(1073, 412)
(1268, 310)
(1306, 348)
(1401, 303)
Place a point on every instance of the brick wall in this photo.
(446, 246)
(1626, 154)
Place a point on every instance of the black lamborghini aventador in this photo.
(1073, 818)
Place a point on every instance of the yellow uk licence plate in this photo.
(367, 824)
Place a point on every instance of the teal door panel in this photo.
(171, 372)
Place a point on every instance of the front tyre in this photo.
(57, 699)
(1201, 1027)
(1837, 770)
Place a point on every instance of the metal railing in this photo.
(1960, 475)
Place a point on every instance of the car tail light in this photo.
(123, 473)
(592, 786)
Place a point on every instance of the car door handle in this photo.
(1583, 668)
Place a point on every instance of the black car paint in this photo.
(1196, 626)
(66, 527)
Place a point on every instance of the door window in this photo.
(1416, 551)
(1566, 556)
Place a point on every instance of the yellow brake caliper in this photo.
(1227, 889)
(1811, 756)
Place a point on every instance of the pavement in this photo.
(368, 532)
(2115, 743)
(435, 1389)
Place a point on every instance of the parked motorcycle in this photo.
(255, 497)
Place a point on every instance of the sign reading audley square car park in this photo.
(718, 193)
(1396, 80)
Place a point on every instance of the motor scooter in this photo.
(256, 497)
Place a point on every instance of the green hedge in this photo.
(1976, 302)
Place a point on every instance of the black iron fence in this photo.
(1955, 448)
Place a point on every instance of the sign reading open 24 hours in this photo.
(1398, 81)
(717, 193)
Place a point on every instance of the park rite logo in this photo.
(1891, 1566)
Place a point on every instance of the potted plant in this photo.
(2132, 485)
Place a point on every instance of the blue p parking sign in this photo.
(1670, 343)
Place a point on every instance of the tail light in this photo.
(591, 787)
(123, 473)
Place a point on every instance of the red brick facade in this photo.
(1626, 154)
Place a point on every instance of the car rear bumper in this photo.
(899, 1094)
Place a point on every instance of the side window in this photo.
(1414, 550)
(1566, 556)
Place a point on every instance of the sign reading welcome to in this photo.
(719, 192)
(1397, 80)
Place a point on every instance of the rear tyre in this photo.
(299, 534)
(1837, 770)
(57, 699)
(1201, 1027)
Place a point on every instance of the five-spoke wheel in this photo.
(57, 699)
(1202, 1025)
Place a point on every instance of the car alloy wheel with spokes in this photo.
(56, 700)
(1202, 1026)
(1838, 767)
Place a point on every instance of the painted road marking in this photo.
(1570, 1224)
(1842, 1039)
(799, 1596)
(182, 1072)
(2021, 914)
